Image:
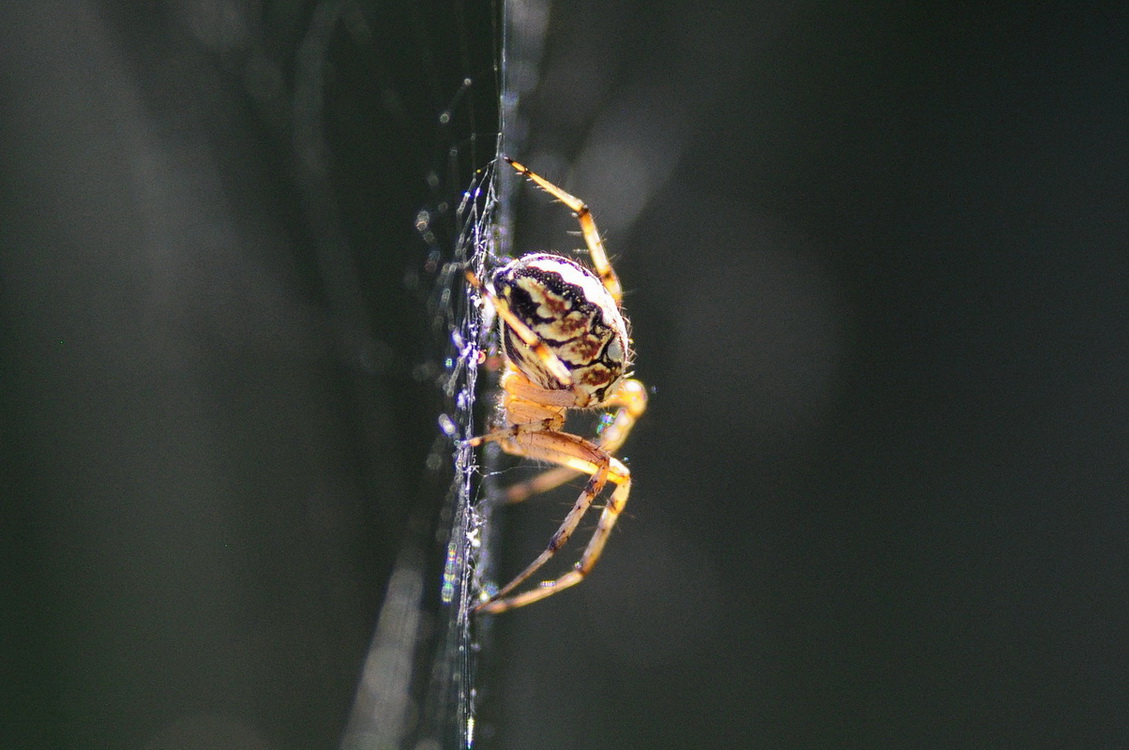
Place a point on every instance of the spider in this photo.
(566, 347)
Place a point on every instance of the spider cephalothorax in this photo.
(566, 345)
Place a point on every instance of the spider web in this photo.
(418, 688)
(402, 656)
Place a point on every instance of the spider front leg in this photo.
(578, 455)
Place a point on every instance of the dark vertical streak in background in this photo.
(218, 367)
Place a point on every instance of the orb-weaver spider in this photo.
(566, 347)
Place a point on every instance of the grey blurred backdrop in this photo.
(876, 266)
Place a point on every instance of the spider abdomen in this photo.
(576, 317)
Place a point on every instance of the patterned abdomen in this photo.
(570, 310)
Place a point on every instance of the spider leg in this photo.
(587, 228)
(529, 408)
(631, 399)
(552, 362)
(593, 489)
(581, 456)
(587, 561)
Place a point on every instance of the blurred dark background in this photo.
(876, 269)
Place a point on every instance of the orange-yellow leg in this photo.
(552, 362)
(587, 561)
(587, 228)
(564, 533)
(580, 456)
(631, 399)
